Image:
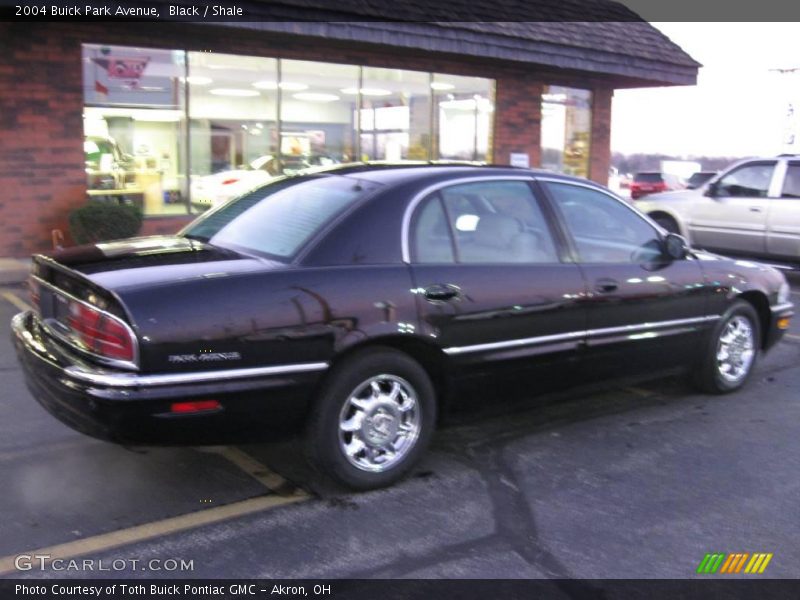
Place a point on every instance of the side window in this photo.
(603, 229)
(431, 239)
(498, 222)
(748, 181)
(791, 185)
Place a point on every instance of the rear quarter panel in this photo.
(279, 317)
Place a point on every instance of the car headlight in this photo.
(784, 293)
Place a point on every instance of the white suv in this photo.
(751, 209)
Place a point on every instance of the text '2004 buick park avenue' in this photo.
(360, 303)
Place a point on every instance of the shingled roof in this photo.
(600, 37)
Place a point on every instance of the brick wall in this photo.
(41, 130)
(600, 152)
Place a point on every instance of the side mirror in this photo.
(675, 246)
(711, 190)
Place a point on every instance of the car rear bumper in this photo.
(125, 407)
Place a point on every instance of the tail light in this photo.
(100, 333)
(230, 181)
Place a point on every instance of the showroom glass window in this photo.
(395, 114)
(566, 130)
(134, 127)
(233, 116)
(463, 117)
(318, 108)
(178, 132)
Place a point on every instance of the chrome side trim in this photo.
(653, 325)
(412, 205)
(133, 380)
(544, 339)
(782, 307)
(111, 362)
(578, 335)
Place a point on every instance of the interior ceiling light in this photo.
(284, 85)
(233, 92)
(315, 97)
(441, 86)
(198, 80)
(366, 91)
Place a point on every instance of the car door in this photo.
(643, 309)
(733, 218)
(783, 219)
(492, 287)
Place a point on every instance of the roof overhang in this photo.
(621, 70)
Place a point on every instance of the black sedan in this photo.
(361, 303)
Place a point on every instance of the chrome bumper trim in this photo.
(782, 307)
(102, 377)
(127, 380)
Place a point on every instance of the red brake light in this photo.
(99, 333)
(230, 181)
(194, 406)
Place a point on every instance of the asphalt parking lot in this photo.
(630, 480)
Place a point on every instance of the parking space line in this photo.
(15, 300)
(140, 533)
(258, 471)
(791, 336)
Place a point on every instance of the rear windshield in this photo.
(279, 218)
(647, 178)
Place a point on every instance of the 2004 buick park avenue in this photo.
(361, 302)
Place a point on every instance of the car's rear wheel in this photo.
(373, 419)
(732, 350)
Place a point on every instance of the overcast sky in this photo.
(738, 107)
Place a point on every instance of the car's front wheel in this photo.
(373, 419)
(732, 350)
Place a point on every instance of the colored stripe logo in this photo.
(719, 562)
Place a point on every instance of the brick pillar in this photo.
(518, 119)
(42, 172)
(600, 151)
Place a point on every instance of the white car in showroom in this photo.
(210, 190)
(751, 209)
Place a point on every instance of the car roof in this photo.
(390, 173)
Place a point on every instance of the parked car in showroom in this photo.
(653, 182)
(360, 304)
(217, 188)
(752, 209)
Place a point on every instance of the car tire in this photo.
(667, 223)
(732, 350)
(372, 420)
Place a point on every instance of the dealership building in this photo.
(173, 116)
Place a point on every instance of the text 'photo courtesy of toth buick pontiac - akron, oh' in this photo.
(359, 305)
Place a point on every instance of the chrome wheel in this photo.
(379, 423)
(736, 349)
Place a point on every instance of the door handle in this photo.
(605, 286)
(755, 209)
(441, 292)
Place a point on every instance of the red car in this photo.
(653, 183)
